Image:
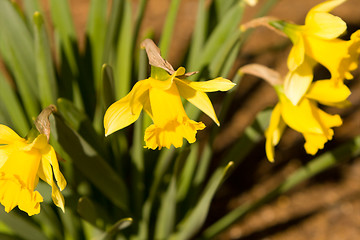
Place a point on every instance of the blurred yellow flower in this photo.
(306, 117)
(22, 162)
(159, 96)
(318, 39)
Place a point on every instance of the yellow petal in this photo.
(297, 52)
(49, 157)
(120, 115)
(297, 82)
(217, 84)
(300, 117)
(326, 91)
(326, 6)
(39, 142)
(198, 99)
(314, 142)
(57, 197)
(273, 132)
(7, 135)
(342, 58)
(324, 25)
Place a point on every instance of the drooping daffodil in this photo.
(305, 116)
(22, 163)
(319, 40)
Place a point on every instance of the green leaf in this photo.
(198, 35)
(44, 64)
(23, 228)
(220, 34)
(13, 107)
(192, 223)
(17, 49)
(62, 20)
(108, 95)
(78, 121)
(118, 226)
(124, 58)
(96, 32)
(169, 27)
(87, 161)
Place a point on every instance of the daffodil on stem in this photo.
(300, 111)
(160, 97)
(318, 40)
(23, 161)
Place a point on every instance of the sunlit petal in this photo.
(7, 135)
(217, 84)
(198, 99)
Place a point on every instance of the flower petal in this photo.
(326, 91)
(297, 53)
(197, 98)
(324, 25)
(326, 6)
(119, 115)
(49, 156)
(217, 84)
(7, 135)
(297, 82)
(273, 132)
(57, 197)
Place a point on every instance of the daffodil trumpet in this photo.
(160, 97)
(23, 161)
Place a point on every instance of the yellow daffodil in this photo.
(306, 117)
(318, 39)
(22, 162)
(159, 96)
(300, 111)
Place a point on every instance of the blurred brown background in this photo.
(325, 208)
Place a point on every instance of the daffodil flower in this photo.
(318, 39)
(306, 117)
(22, 163)
(160, 97)
(300, 111)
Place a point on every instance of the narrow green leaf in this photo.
(96, 32)
(22, 227)
(188, 173)
(222, 7)
(113, 29)
(92, 213)
(13, 107)
(16, 46)
(221, 56)
(166, 216)
(108, 95)
(62, 20)
(92, 166)
(220, 34)
(169, 27)
(82, 125)
(199, 35)
(192, 223)
(325, 161)
(124, 59)
(118, 226)
(44, 64)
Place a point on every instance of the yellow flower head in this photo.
(318, 39)
(22, 162)
(159, 96)
(298, 106)
(306, 117)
